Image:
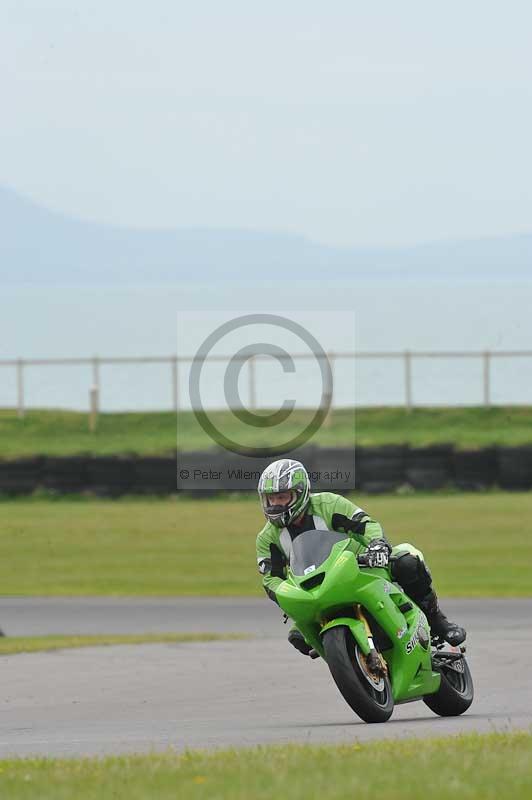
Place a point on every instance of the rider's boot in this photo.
(297, 640)
(439, 624)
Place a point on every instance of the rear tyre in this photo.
(371, 700)
(456, 692)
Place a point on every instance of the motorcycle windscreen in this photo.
(312, 548)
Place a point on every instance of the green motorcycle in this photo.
(375, 640)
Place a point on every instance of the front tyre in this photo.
(371, 699)
(456, 692)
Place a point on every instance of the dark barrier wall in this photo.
(380, 469)
(204, 474)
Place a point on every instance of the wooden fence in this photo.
(486, 358)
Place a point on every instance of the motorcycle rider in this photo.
(290, 509)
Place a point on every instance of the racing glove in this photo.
(378, 553)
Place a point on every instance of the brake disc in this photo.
(375, 681)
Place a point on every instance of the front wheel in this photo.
(368, 695)
(455, 694)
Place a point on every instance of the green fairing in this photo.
(329, 604)
(322, 505)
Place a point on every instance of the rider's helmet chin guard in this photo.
(285, 475)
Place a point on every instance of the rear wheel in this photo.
(456, 692)
(369, 695)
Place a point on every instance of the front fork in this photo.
(360, 628)
(374, 660)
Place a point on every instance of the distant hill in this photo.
(39, 246)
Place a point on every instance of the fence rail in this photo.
(20, 365)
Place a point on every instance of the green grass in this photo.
(476, 544)
(66, 432)
(31, 644)
(474, 767)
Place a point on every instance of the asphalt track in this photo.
(219, 694)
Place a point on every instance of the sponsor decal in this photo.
(312, 568)
(458, 665)
(401, 632)
(387, 588)
(412, 642)
(424, 636)
(421, 636)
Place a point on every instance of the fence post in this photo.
(96, 379)
(20, 389)
(408, 379)
(93, 406)
(487, 379)
(251, 377)
(94, 394)
(327, 422)
(175, 385)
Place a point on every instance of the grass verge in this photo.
(66, 432)
(475, 544)
(473, 767)
(32, 644)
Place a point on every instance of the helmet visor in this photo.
(277, 504)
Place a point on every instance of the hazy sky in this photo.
(349, 122)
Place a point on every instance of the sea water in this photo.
(431, 315)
